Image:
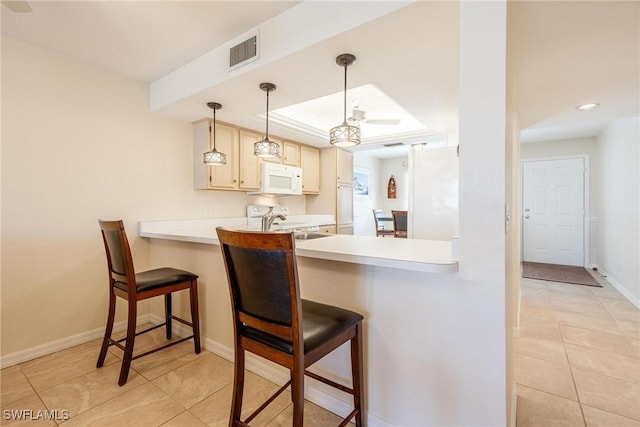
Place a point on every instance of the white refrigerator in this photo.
(433, 194)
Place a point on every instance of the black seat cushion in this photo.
(321, 322)
(158, 278)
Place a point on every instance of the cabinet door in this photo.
(310, 163)
(327, 229)
(291, 154)
(345, 229)
(344, 205)
(344, 161)
(250, 165)
(225, 176)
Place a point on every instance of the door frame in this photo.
(586, 189)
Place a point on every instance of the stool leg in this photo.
(167, 314)
(356, 373)
(195, 315)
(297, 393)
(108, 330)
(238, 387)
(128, 348)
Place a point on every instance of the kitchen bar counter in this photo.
(424, 331)
(431, 256)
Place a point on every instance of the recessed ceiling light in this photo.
(588, 106)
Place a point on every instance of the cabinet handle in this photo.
(241, 182)
(235, 180)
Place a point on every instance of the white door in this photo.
(553, 211)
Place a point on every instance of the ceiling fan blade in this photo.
(358, 114)
(18, 6)
(392, 122)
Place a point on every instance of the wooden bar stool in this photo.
(125, 283)
(399, 223)
(380, 231)
(271, 320)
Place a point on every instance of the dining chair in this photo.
(272, 321)
(380, 231)
(125, 283)
(399, 223)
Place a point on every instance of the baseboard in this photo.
(22, 356)
(624, 291)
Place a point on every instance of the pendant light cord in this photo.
(345, 95)
(267, 128)
(214, 129)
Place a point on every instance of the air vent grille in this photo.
(394, 144)
(243, 52)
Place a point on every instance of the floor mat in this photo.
(558, 273)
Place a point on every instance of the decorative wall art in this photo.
(361, 182)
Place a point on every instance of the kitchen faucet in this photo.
(269, 217)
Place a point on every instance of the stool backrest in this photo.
(119, 260)
(263, 281)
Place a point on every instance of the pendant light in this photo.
(214, 157)
(345, 135)
(266, 148)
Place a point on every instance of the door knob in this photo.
(526, 217)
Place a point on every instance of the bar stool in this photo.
(271, 320)
(125, 283)
(380, 231)
(400, 223)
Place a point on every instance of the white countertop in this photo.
(432, 256)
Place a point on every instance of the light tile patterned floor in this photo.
(577, 363)
(577, 359)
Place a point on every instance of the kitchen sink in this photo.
(311, 236)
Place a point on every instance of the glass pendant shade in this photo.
(266, 148)
(345, 135)
(214, 157)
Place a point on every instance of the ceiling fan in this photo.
(18, 6)
(360, 116)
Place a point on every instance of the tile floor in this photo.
(577, 363)
(577, 360)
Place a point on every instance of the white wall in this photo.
(78, 144)
(398, 168)
(482, 115)
(568, 148)
(619, 192)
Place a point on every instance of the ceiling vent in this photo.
(244, 52)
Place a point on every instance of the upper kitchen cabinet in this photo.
(223, 177)
(250, 169)
(344, 162)
(310, 164)
(243, 170)
(290, 153)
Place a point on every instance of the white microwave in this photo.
(280, 179)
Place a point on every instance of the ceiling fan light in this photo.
(266, 149)
(344, 135)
